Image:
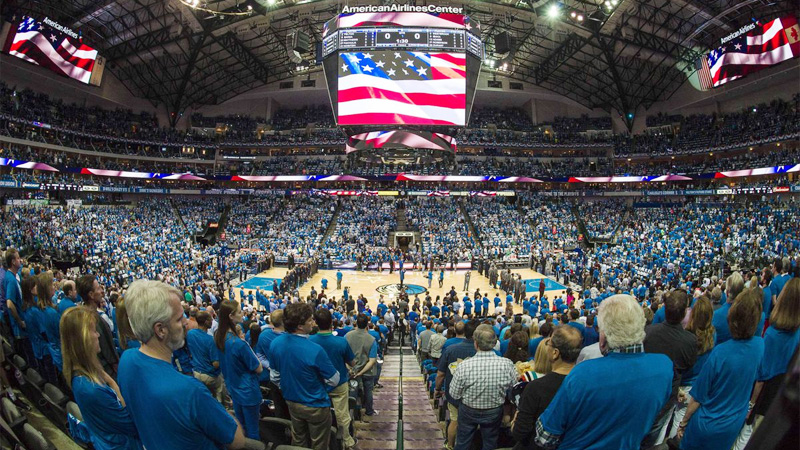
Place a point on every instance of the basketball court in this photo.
(372, 284)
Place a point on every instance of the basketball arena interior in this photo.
(387, 225)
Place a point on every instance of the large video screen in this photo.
(752, 48)
(53, 46)
(385, 87)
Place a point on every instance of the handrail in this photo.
(400, 443)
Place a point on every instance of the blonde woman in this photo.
(96, 393)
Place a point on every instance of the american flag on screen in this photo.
(49, 48)
(767, 45)
(385, 87)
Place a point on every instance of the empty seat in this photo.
(275, 430)
(34, 439)
(11, 413)
(19, 363)
(33, 377)
(54, 395)
(7, 349)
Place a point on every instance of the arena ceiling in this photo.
(617, 59)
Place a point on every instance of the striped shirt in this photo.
(481, 382)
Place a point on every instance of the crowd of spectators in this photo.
(198, 212)
(600, 218)
(362, 230)
(284, 225)
(122, 131)
(443, 228)
(502, 229)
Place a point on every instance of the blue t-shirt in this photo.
(110, 423)
(14, 293)
(576, 414)
(720, 322)
(660, 315)
(171, 410)
(304, 368)
(204, 352)
(533, 345)
(723, 390)
(338, 350)
(452, 341)
(34, 320)
(779, 346)
(64, 304)
(238, 364)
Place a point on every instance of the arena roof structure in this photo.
(616, 55)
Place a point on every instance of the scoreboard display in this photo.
(405, 68)
(400, 38)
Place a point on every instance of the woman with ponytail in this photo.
(240, 368)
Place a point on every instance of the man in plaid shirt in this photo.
(481, 383)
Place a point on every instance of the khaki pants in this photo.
(217, 387)
(341, 408)
(310, 426)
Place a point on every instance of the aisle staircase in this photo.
(405, 418)
(473, 231)
(331, 226)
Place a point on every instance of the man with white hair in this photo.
(644, 380)
(170, 410)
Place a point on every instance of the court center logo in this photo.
(394, 290)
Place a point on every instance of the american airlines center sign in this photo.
(402, 8)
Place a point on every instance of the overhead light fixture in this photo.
(579, 18)
(573, 14)
(554, 11)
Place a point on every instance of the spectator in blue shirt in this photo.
(205, 357)
(265, 340)
(733, 286)
(69, 298)
(13, 291)
(644, 380)
(720, 395)
(338, 350)
(240, 367)
(304, 373)
(780, 342)
(96, 393)
(170, 410)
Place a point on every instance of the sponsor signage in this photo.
(402, 8)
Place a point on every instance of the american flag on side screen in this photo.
(49, 48)
(704, 73)
(767, 45)
(386, 87)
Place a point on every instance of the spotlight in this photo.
(249, 7)
(755, 110)
(580, 18)
(195, 3)
(554, 11)
(573, 14)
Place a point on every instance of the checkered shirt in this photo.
(481, 382)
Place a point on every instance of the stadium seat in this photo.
(54, 395)
(15, 419)
(33, 377)
(276, 431)
(7, 349)
(34, 439)
(19, 362)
